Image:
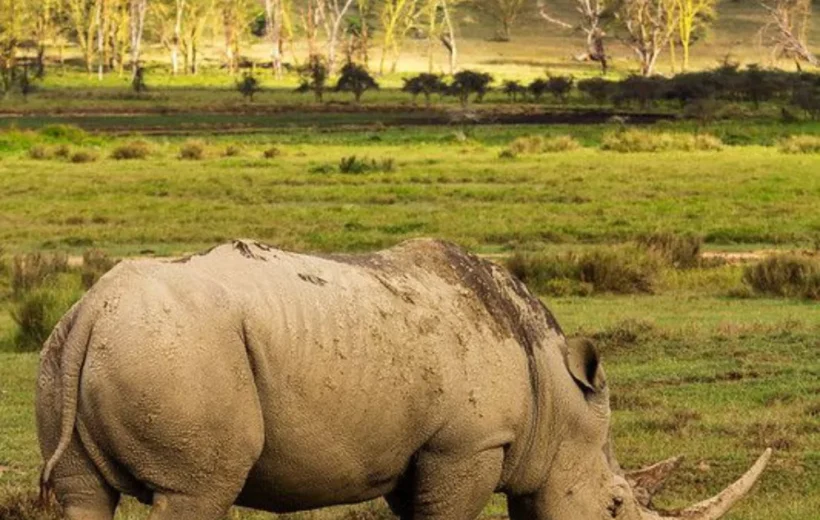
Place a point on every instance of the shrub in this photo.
(271, 153)
(623, 270)
(425, 84)
(355, 78)
(83, 156)
(800, 144)
(37, 312)
(635, 140)
(537, 88)
(138, 80)
(681, 251)
(39, 152)
(469, 82)
(642, 90)
(355, 165)
(32, 270)
(192, 150)
(62, 132)
(62, 151)
(248, 86)
(598, 89)
(788, 275)
(514, 89)
(131, 150)
(559, 87)
(95, 264)
(539, 144)
(232, 151)
(313, 77)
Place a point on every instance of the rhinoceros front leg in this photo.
(448, 486)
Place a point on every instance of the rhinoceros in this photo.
(278, 381)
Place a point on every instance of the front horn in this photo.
(717, 506)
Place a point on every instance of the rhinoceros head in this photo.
(583, 480)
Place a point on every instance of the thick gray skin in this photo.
(284, 382)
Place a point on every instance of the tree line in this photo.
(111, 34)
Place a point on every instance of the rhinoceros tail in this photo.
(70, 338)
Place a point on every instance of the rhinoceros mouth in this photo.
(648, 481)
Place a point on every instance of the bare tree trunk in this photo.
(138, 9)
(101, 23)
(273, 21)
(177, 38)
(338, 16)
(451, 38)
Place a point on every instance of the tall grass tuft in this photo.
(635, 140)
(786, 275)
(621, 270)
(131, 150)
(25, 505)
(32, 270)
(680, 251)
(95, 264)
(38, 311)
(534, 144)
(192, 150)
(800, 144)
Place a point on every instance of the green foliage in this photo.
(800, 144)
(597, 89)
(537, 88)
(559, 87)
(356, 165)
(62, 132)
(355, 78)
(131, 150)
(469, 82)
(514, 90)
(425, 84)
(313, 77)
(192, 150)
(248, 86)
(786, 275)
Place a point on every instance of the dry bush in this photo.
(192, 150)
(62, 151)
(131, 150)
(39, 152)
(635, 140)
(83, 156)
(534, 144)
(788, 275)
(621, 270)
(95, 264)
(681, 251)
(32, 270)
(272, 153)
(232, 151)
(800, 144)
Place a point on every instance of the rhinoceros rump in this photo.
(283, 382)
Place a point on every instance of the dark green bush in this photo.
(60, 132)
(356, 165)
(514, 90)
(559, 87)
(537, 88)
(248, 86)
(425, 84)
(355, 78)
(469, 82)
(786, 275)
(313, 77)
(598, 89)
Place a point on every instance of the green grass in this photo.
(440, 186)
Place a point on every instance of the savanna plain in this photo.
(687, 248)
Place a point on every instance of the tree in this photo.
(313, 77)
(426, 84)
(504, 12)
(787, 29)
(82, 14)
(397, 18)
(692, 15)
(11, 28)
(193, 26)
(468, 82)
(440, 30)
(647, 27)
(274, 15)
(355, 78)
(592, 16)
(338, 9)
(43, 14)
(248, 86)
(235, 18)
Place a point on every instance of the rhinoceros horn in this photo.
(717, 506)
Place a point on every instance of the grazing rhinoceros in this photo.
(283, 382)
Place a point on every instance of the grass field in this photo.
(693, 370)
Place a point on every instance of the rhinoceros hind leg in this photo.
(184, 507)
(450, 487)
(79, 487)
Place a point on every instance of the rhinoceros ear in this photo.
(584, 364)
